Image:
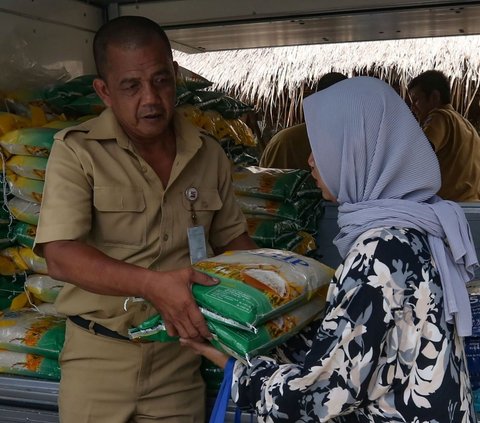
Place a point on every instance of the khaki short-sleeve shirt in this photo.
(457, 145)
(100, 191)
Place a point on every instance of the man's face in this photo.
(139, 86)
(421, 104)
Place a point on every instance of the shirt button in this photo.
(165, 237)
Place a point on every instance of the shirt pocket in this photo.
(206, 205)
(120, 218)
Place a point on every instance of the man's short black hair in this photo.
(329, 79)
(127, 32)
(430, 81)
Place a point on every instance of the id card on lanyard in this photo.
(196, 233)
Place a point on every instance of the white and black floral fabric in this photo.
(382, 353)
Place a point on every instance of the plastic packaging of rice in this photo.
(24, 233)
(240, 343)
(29, 141)
(28, 166)
(258, 285)
(25, 188)
(24, 211)
(31, 332)
(29, 365)
(43, 287)
(275, 184)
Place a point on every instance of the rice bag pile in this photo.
(283, 207)
(25, 153)
(264, 297)
(74, 98)
(219, 115)
(30, 343)
(25, 150)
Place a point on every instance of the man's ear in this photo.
(101, 89)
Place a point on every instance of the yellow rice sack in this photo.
(24, 211)
(25, 188)
(29, 141)
(28, 166)
(43, 287)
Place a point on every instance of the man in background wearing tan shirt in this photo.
(455, 140)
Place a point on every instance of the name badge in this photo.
(196, 243)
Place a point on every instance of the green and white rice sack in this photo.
(258, 285)
(240, 343)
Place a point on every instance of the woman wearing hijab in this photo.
(389, 348)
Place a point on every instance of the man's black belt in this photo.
(96, 328)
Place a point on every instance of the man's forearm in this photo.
(92, 270)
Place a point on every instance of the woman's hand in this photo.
(207, 350)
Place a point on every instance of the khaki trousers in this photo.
(105, 380)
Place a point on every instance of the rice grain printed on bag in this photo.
(258, 285)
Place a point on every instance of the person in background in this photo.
(289, 148)
(389, 347)
(131, 198)
(454, 139)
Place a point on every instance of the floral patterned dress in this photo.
(382, 353)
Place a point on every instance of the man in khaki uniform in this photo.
(121, 192)
(455, 140)
(289, 148)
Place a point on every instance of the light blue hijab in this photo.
(375, 159)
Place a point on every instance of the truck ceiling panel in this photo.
(197, 12)
(71, 13)
(334, 24)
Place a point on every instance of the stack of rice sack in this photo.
(264, 297)
(215, 112)
(74, 98)
(31, 334)
(219, 115)
(12, 281)
(283, 207)
(30, 343)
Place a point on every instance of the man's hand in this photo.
(171, 294)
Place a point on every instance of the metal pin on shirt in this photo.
(191, 195)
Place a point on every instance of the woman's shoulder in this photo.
(391, 245)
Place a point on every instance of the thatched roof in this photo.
(273, 79)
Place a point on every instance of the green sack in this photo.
(31, 332)
(29, 141)
(258, 285)
(24, 234)
(240, 343)
(29, 365)
(287, 185)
